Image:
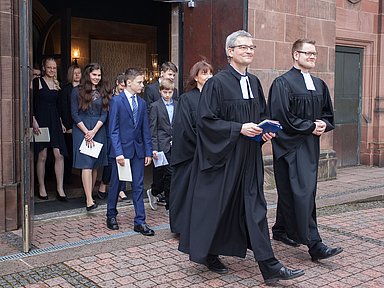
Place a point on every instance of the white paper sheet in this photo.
(125, 173)
(93, 151)
(161, 159)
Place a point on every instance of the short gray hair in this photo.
(231, 39)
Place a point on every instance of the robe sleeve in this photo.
(279, 107)
(184, 128)
(187, 120)
(215, 136)
(327, 114)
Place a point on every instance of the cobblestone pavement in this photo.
(78, 251)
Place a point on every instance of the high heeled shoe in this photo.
(93, 206)
(42, 197)
(102, 195)
(61, 198)
(122, 196)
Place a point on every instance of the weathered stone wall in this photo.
(9, 113)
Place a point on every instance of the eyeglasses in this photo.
(309, 53)
(245, 47)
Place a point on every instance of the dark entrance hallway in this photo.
(116, 34)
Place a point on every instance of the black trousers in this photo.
(296, 208)
(161, 181)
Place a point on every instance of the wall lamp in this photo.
(75, 55)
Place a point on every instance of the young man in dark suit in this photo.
(168, 70)
(130, 139)
(161, 123)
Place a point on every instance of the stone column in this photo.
(9, 105)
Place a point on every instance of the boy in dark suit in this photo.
(161, 123)
(168, 70)
(130, 139)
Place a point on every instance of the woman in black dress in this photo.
(184, 141)
(89, 112)
(46, 114)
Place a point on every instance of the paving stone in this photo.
(49, 276)
(156, 262)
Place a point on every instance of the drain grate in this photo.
(75, 244)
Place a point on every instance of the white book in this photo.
(43, 136)
(92, 151)
(125, 173)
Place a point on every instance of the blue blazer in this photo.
(126, 138)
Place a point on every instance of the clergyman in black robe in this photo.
(184, 142)
(302, 105)
(226, 204)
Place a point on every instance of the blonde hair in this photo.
(166, 84)
(55, 81)
(71, 72)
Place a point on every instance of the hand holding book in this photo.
(267, 126)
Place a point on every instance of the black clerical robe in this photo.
(296, 151)
(183, 150)
(225, 200)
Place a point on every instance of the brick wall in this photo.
(276, 24)
(358, 25)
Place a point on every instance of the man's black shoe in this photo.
(112, 223)
(144, 229)
(215, 265)
(283, 274)
(285, 239)
(325, 252)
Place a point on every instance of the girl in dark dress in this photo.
(46, 114)
(89, 112)
(184, 142)
(73, 78)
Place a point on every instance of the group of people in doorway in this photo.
(213, 182)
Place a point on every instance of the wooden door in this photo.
(205, 28)
(347, 104)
